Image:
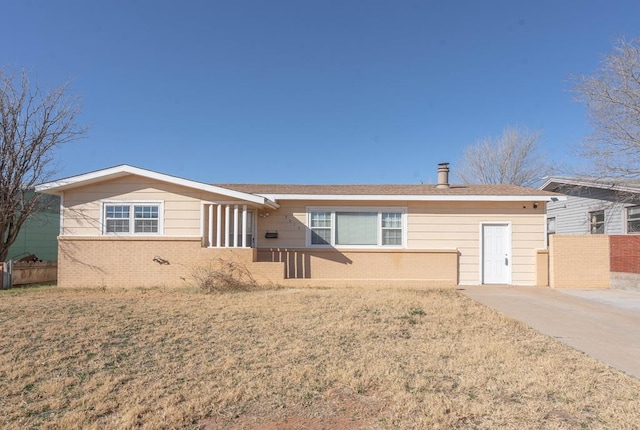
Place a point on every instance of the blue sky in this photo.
(311, 91)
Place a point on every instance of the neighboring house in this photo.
(130, 226)
(593, 206)
(38, 235)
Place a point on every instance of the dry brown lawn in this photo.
(291, 359)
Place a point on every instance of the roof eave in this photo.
(59, 186)
(576, 182)
(426, 198)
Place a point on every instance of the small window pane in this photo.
(320, 219)
(321, 236)
(117, 211)
(146, 226)
(117, 226)
(391, 220)
(392, 237)
(146, 212)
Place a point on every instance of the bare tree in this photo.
(513, 158)
(32, 124)
(612, 97)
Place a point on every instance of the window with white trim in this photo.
(596, 222)
(357, 227)
(633, 219)
(320, 228)
(131, 218)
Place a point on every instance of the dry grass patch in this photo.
(334, 358)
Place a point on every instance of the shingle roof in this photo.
(387, 189)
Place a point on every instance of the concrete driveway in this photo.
(605, 324)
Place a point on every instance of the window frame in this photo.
(132, 218)
(333, 210)
(590, 222)
(626, 219)
(555, 226)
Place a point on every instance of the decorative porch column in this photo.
(219, 227)
(210, 226)
(244, 226)
(235, 226)
(227, 217)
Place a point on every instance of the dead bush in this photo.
(224, 276)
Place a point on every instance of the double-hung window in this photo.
(357, 227)
(132, 218)
(320, 228)
(596, 222)
(633, 219)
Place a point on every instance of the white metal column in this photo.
(227, 218)
(219, 227)
(210, 226)
(235, 226)
(244, 226)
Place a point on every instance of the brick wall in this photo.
(131, 262)
(435, 266)
(542, 268)
(579, 261)
(625, 254)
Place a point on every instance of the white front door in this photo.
(496, 254)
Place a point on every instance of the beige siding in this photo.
(458, 225)
(289, 221)
(452, 228)
(434, 226)
(182, 205)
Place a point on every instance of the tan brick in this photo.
(579, 261)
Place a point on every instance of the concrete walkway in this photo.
(605, 324)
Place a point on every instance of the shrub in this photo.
(224, 276)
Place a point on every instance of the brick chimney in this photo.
(443, 175)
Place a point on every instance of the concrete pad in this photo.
(624, 299)
(604, 324)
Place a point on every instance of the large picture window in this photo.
(356, 227)
(131, 218)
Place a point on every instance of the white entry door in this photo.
(496, 254)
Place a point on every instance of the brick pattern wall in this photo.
(579, 261)
(438, 266)
(542, 268)
(129, 262)
(625, 254)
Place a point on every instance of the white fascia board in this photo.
(563, 181)
(417, 198)
(58, 186)
(604, 185)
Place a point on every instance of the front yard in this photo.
(289, 359)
